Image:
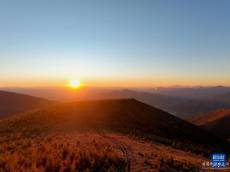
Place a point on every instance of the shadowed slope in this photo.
(14, 103)
(127, 116)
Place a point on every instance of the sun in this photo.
(75, 83)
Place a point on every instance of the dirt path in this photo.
(123, 147)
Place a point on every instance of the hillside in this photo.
(14, 103)
(216, 122)
(126, 116)
(195, 107)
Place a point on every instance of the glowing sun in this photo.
(75, 83)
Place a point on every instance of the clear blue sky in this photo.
(115, 43)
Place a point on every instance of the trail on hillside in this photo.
(123, 147)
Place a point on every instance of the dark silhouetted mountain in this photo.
(216, 122)
(14, 103)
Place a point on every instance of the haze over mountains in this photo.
(92, 93)
(15, 103)
(178, 100)
(152, 99)
(61, 94)
(192, 93)
(224, 97)
(196, 107)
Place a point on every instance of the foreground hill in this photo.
(196, 107)
(216, 122)
(14, 103)
(126, 116)
(89, 135)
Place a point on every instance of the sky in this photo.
(115, 43)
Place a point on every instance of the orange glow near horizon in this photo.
(108, 82)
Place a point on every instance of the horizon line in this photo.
(176, 86)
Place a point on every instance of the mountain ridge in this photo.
(215, 121)
(14, 103)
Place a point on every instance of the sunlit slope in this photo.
(126, 116)
(14, 103)
(216, 122)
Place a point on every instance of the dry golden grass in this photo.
(56, 152)
(46, 154)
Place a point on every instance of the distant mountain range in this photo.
(178, 100)
(192, 93)
(195, 107)
(152, 99)
(92, 93)
(216, 122)
(69, 94)
(13, 103)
